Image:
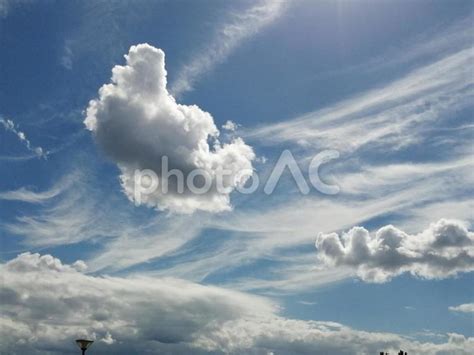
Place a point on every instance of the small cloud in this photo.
(463, 308)
(10, 126)
(108, 339)
(230, 126)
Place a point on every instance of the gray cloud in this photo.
(46, 304)
(443, 250)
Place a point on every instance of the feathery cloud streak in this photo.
(9, 126)
(236, 29)
(391, 117)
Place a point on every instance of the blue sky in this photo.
(388, 85)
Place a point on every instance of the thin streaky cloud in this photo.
(18, 158)
(228, 36)
(381, 179)
(10, 126)
(162, 238)
(392, 116)
(8, 5)
(24, 194)
(66, 213)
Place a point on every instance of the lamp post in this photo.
(84, 344)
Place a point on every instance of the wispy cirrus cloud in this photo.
(10, 126)
(68, 212)
(7, 5)
(389, 118)
(412, 110)
(233, 30)
(37, 197)
(25, 195)
(132, 246)
(74, 210)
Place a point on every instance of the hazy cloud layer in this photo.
(137, 122)
(7, 5)
(445, 249)
(46, 304)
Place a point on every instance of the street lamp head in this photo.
(84, 344)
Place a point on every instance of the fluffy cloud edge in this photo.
(463, 308)
(444, 249)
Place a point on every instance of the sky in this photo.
(343, 225)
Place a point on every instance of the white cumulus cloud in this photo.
(230, 126)
(444, 249)
(137, 122)
(46, 304)
(464, 308)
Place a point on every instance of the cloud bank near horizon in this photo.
(46, 304)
